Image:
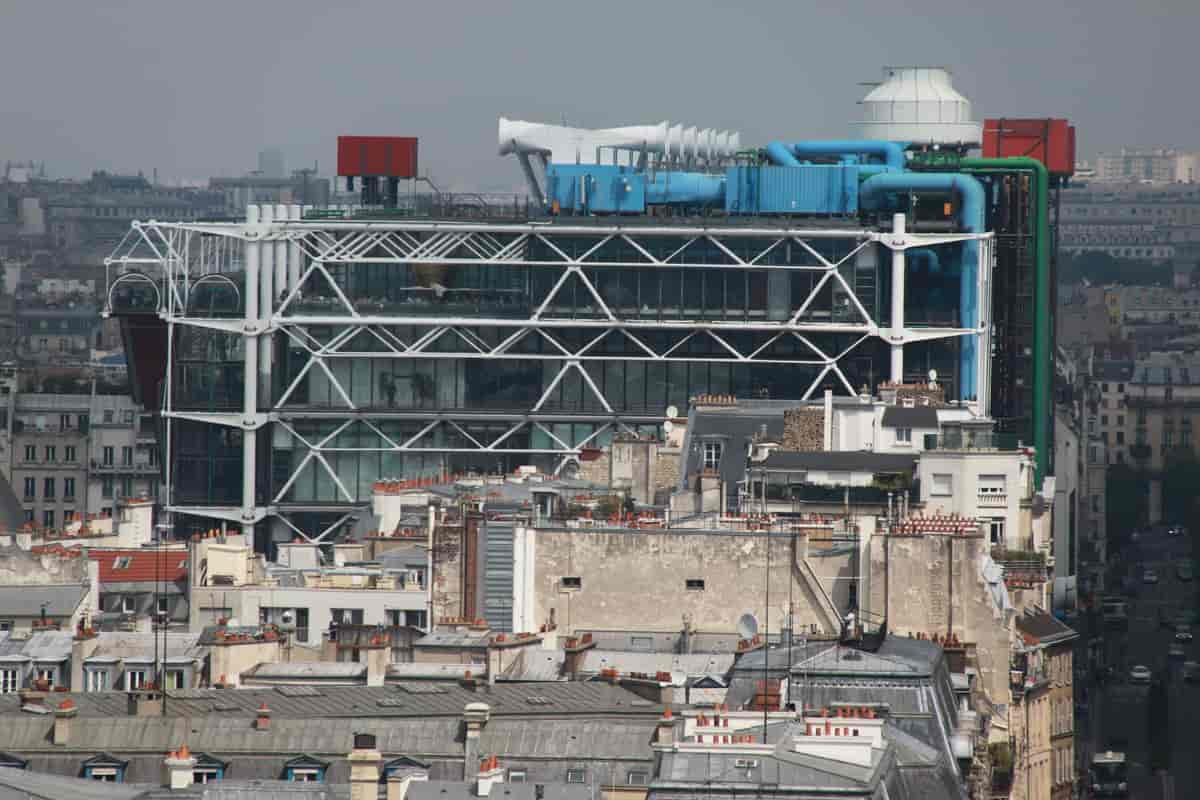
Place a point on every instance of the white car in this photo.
(1139, 674)
(1175, 651)
(1149, 576)
(1183, 633)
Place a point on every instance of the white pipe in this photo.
(266, 301)
(828, 415)
(295, 212)
(898, 229)
(250, 382)
(281, 257)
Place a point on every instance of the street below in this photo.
(1119, 713)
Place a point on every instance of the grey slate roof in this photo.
(915, 417)
(443, 672)
(690, 666)
(734, 427)
(416, 698)
(840, 461)
(307, 670)
(50, 645)
(60, 600)
(544, 747)
(662, 641)
(453, 639)
(458, 790)
(533, 664)
(910, 676)
(18, 784)
(897, 656)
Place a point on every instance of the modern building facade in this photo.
(310, 358)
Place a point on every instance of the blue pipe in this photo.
(892, 153)
(970, 219)
(780, 155)
(685, 188)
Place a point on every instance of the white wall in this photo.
(965, 471)
(245, 602)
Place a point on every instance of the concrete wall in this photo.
(447, 585)
(637, 579)
(932, 584)
(1067, 473)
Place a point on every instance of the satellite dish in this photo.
(933, 376)
(287, 621)
(668, 426)
(672, 411)
(747, 626)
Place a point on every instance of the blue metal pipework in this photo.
(788, 155)
(686, 188)
(971, 219)
(780, 155)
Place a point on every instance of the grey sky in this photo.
(197, 88)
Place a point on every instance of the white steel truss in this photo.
(283, 278)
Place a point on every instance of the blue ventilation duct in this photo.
(685, 188)
(971, 219)
(780, 155)
(788, 155)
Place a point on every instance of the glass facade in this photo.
(407, 351)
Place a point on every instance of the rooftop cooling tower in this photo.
(919, 105)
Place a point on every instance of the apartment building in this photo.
(77, 454)
(229, 581)
(1130, 220)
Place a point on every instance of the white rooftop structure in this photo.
(918, 105)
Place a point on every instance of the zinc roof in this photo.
(418, 698)
(28, 601)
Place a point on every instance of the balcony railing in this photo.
(992, 500)
(981, 441)
(135, 467)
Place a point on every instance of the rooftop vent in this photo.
(919, 105)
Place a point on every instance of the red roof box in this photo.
(377, 156)
(1050, 141)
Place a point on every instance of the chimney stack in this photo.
(180, 766)
(490, 773)
(379, 655)
(263, 721)
(63, 716)
(475, 717)
(364, 760)
(666, 728)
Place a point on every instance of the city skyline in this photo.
(175, 101)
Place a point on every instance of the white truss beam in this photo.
(321, 253)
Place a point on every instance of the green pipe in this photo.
(1043, 358)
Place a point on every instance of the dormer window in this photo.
(208, 769)
(305, 769)
(106, 768)
(712, 455)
